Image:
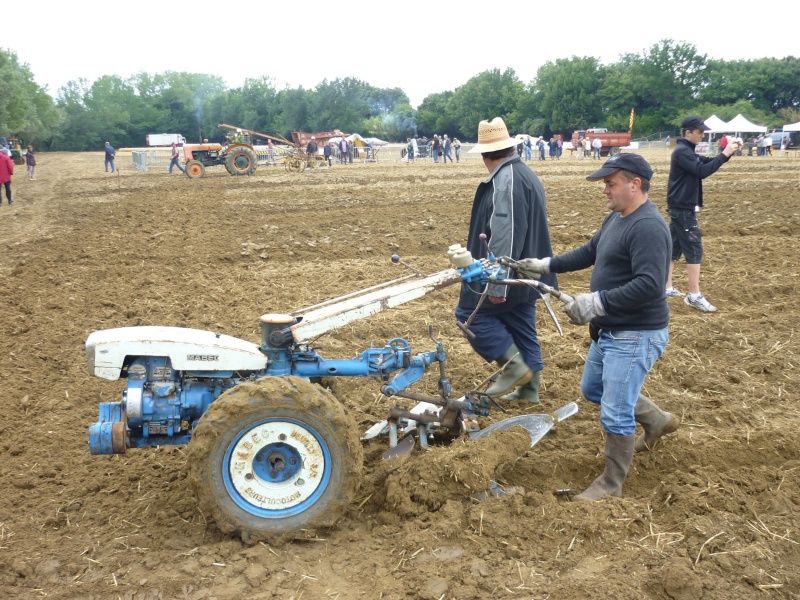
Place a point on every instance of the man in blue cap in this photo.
(627, 314)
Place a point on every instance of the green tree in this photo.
(340, 104)
(396, 126)
(25, 108)
(658, 83)
(770, 84)
(566, 94)
(431, 115)
(485, 96)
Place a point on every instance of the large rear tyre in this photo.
(194, 169)
(240, 161)
(274, 457)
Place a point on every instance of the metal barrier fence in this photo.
(152, 158)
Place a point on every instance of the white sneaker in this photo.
(674, 293)
(700, 303)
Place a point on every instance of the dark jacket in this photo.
(509, 207)
(687, 170)
(30, 158)
(631, 257)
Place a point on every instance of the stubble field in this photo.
(712, 513)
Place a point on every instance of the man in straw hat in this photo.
(627, 314)
(509, 207)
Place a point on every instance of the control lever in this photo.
(396, 260)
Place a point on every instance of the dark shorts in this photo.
(687, 239)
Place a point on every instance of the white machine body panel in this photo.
(187, 349)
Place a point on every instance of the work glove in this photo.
(533, 268)
(584, 308)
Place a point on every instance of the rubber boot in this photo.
(515, 373)
(528, 392)
(619, 455)
(655, 421)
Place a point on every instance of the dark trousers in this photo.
(496, 331)
(7, 185)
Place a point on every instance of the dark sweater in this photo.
(631, 257)
(687, 170)
(509, 207)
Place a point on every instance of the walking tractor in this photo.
(270, 451)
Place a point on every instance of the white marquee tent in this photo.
(792, 127)
(739, 124)
(716, 124)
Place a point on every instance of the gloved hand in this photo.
(533, 268)
(584, 308)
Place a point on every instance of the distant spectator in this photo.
(436, 148)
(343, 148)
(110, 154)
(667, 142)
(457, 148)
(768, 145)
(271, 152)
(597, 145)
(327, 151)
(528, 145)
(175, 159)
(553, 148)
(542, 147)
(6, 172)
(311, 149)
(447, 145)
(723, 143)
(30, 160)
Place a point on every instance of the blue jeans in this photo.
(527, 153)
(435, 155)
(174, 163)
(496, 331)
(614, 373)
(447, 155)
(110, 161)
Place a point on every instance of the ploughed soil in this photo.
(711, 513)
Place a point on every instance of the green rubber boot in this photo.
(515, 373)
(619, 455)
(528, 392)
(655, 421)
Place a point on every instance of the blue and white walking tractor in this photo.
(271, 452)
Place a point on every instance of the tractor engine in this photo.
(160, 406)
(173, 375)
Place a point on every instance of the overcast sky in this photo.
(422, 47)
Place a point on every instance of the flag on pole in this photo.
(630, 124)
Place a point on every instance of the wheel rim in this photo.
(276, 468)
(195, 170)
(241, 162)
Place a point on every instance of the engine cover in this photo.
(192, 350)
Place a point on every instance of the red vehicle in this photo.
(613, 141)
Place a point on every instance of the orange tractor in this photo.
(239, 158)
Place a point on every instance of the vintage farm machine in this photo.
(270, 452)
(292, 154)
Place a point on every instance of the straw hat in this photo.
(493, 135)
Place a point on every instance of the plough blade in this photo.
(536, 425)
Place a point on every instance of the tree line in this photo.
(661, 85)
